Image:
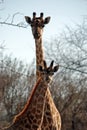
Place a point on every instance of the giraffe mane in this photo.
(28, 102)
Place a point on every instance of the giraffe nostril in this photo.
(48, 79)
(37, 35)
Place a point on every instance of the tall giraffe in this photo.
(31, 117)
(37, 24)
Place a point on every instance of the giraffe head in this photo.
(48, 72)
(37, 24)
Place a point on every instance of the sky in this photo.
(19, 42)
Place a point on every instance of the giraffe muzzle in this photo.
(37, 35)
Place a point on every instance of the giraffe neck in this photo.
(32, 115)
(39, 55)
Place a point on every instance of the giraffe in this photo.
(37, 24)
(31, 117)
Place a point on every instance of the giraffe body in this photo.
(54, 117)
(31, 117)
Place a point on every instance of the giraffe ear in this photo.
(47, 20)
(55, 69)
(28, 19)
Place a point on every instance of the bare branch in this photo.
(12, 23)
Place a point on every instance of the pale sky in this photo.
(18, 41)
